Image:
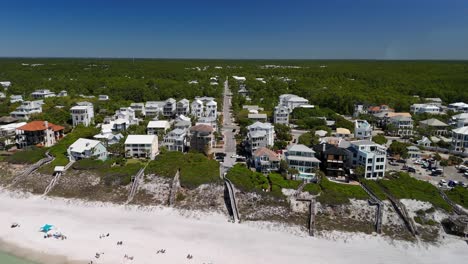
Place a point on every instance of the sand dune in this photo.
(210, 238)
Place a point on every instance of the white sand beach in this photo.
(209, 238)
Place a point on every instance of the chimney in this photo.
(323, 146)
(46, 124)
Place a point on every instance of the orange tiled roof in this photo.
(39, 126)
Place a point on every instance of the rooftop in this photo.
(40, 126)
(140, 139)
(158, 124)
(266, 152)
(83, 144)
(300, 148)
(433, 122)
(202, 128)
(461, 130)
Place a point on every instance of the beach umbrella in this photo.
(46, 228)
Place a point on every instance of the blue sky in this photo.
(297, 29)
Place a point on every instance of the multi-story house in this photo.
(158, 127)
(460, 139)
(154, 108)
(82, 113)
(42, 93)
(459, 120)
(8, 133)
(292, 101)
(380, 109)
(265, 160)
(260, 135)
(138, 108)
(16, 98)
(257, 117)
(183, 107)
(84, 148)
(169, 108)
(402, 126)
(433, 101)
(425, 109)
(362, 129)
(26, 109)
(359, 109)
(211, 109)
(141, 146)
(334, 160)
(197, 108)
(437, 127)
(302, 158)
(371, 156)
(458, 107)
(176, 140)
(202, 138)
(281, 115)
(38, 133)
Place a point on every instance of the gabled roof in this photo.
(260, 125)
(83, 144)
(342, 130)
(300, 148)
(461, 130)
(40, 126)
(433, 122)
(140, 139)
(202, 128)
(266, 152)
(158, 124)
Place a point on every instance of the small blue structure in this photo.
(46, 228)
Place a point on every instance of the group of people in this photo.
(102, 236)
(162, 251)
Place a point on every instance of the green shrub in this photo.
(29, 156)
(337, 193)
(247, 180)
(89, 164)
(406, 187)
(312, 188)
(458, 195)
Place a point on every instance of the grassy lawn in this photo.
(278, 182)
(337, 193)
(246, 180)
(111, 175)
(29, 156)
(407, 187)
(459, 195)
(195, 168)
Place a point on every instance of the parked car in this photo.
(442, 183)
(411, 169)
(401, 161)
(436, 172)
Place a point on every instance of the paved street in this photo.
(228, 127)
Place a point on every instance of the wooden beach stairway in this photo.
(232, 200)
(375, 201)
(49, 158)
(135, 184)
(56, 178)
(174, 188)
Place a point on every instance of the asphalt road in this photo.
(228, 127)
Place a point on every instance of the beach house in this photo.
(460, 139)
(26, 109)
(138, 108)
(197, 108)
(362, 129)
(169, 108)
(265, 160)
(183, 107)
(42, 93)
(157, 127)
(16, 98)
(141, 146)
(202, 138)
(371, 156)
(302, 158)
(458, 107)
(401, 126)
(425, 109)
(281, 115)
(435, 126)
(334, 160)
(82, 114)
(38, 133)
(260, 135)
(176, 140)
(84, 148)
